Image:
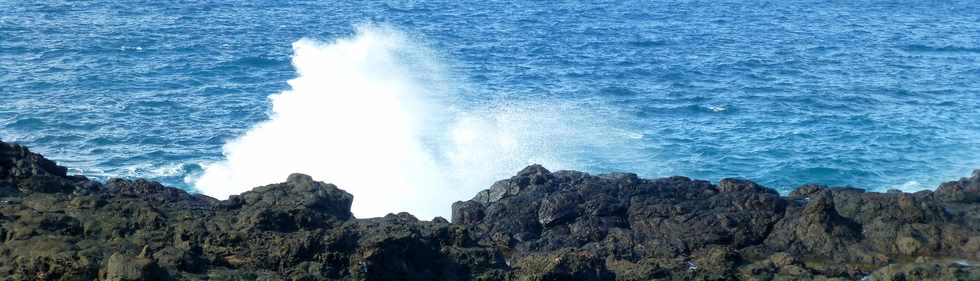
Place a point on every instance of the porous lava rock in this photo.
(537, 225)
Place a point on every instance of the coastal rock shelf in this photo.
(537, 225)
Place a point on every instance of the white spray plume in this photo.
(370, 114)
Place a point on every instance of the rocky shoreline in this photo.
(537, 225)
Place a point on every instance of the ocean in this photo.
(411, 105)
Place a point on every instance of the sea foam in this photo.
(374, 115)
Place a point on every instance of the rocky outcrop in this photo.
(966, 190)
(681, 229)
(537, 225)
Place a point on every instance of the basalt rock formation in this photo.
(538, 225)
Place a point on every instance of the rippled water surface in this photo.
(875, 94)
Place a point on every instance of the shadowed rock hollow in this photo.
(537, 225)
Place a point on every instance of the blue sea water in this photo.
(875, 94)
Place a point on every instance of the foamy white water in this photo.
(369, 113)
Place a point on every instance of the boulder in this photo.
(299, 203)
(563, 266)
(120, 267)
(965, 190)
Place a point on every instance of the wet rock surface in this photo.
(537, 225)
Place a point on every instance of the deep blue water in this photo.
(874, 94)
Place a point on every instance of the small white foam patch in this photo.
(717, 108)
(911, 187)
(371, 114)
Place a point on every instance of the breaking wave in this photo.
(375, 115)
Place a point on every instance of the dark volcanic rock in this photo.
(299, 203)
(966, 190)
(925, 269)
(681, 229)
(815, 228)
(537, 225)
